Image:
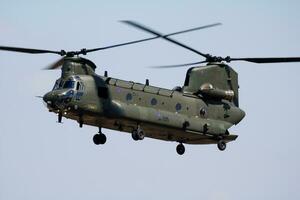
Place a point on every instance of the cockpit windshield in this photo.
(69, 84)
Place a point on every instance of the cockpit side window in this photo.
(57, 84)
(79, 86)
(60, 84)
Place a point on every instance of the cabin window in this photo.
(153, 101)
(129, 97)
(178, 107)
(103, 92)
(203, 112)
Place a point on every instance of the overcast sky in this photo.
(41, 159)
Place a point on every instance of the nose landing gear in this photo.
(59, 120)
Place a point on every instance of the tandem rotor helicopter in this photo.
(199, 112)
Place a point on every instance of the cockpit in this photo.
(71, 83)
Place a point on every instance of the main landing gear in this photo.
(138, 134)
(221, 145)
(180, 149)
(99, 138)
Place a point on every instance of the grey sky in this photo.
(40, 159)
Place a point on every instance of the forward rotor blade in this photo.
(268, 60)
(122, 44)
(152, 38)
(56, 64)
(62, 52)
(144, 28)
(180, 65)
(26, 50)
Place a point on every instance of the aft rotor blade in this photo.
(56, 64)
(144, 28)
(193, 29)
(268, 60)
(180, 65)
(26, 50)
(152, 38)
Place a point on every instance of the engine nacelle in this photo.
(208, 90)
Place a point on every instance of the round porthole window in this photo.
(153, 101)
(203, 112)
(129, 97)
(178, 107)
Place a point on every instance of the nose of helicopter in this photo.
(60, 98)
(48, 97)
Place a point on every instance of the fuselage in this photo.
(164, 114)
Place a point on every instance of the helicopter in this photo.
(200, 112)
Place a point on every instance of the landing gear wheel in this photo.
(221, 145)
(134, 135)
(141, 134)
(99, 139)
(180, 149)
(138, 135)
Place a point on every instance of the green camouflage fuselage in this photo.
(181, 115)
